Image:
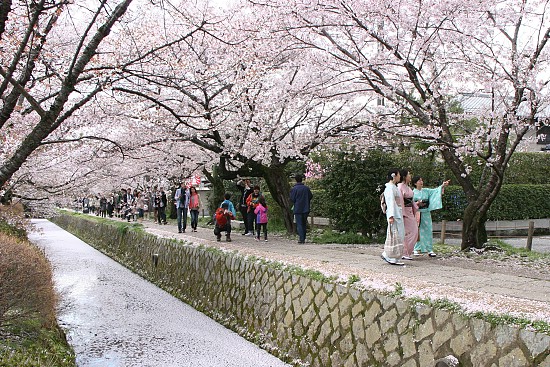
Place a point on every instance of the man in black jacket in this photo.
(301, 196)
(245, 187)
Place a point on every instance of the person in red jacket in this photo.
(223, 222)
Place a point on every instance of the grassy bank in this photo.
(29, 334)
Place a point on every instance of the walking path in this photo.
(114, 318)
(497, 288)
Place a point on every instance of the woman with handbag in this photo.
(393, 247)
(427, 200)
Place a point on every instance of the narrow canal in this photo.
(115, 318)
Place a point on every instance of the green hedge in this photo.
(524, 168)
(513, 202)
(528, 169)
(525, 194)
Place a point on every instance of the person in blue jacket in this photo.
(230, 206)
(301, 196)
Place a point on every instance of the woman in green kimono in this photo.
(427, 200)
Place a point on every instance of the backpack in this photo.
(383, 204)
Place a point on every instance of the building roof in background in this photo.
(478, 103)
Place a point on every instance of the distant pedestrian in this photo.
(245, 188)
(194, 206)
(120, 200)
(181, 199)
(93, 205)
(126, 211)
(140, 205)
(164, 205)
(261, 218)
(427, 200)
(85, 205)
(155, 200)
(301, 196)
(393, 248)
(103, 206)
(110, 206)
(148, 207)
(129, 197)
(161, 201)
(223, 219)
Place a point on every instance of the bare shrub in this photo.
(26, 285)
(13, 221)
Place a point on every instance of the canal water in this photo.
(114, 318)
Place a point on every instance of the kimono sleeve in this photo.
(435, 195)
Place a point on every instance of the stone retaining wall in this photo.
(306, 321)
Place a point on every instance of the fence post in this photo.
(312, 222)
(530, 235)
(443, 229)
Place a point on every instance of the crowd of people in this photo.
(253, 208)
(407, 205)
(128, 204)
(408, 212)
(133, 204)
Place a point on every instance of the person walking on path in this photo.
(261, 218)
(140, 205)
(181, 198)
(394, 215)
(194, 206)
(110, 206)
(245, 187)
(301, 196)
(161, 201)
(427, 200)
(223, 222)
(103, 206)
(411, 216)
(252, 201)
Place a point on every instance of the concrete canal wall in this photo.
(307, 321)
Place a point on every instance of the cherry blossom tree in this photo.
(246, 96)
(419, 56)
(43, 71)
(81, 159)
(59, 57)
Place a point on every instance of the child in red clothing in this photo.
(223, 222)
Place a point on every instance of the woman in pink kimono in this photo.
(411, 216)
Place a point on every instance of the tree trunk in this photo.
(218, 190)
(474, 233)
(277, 182)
